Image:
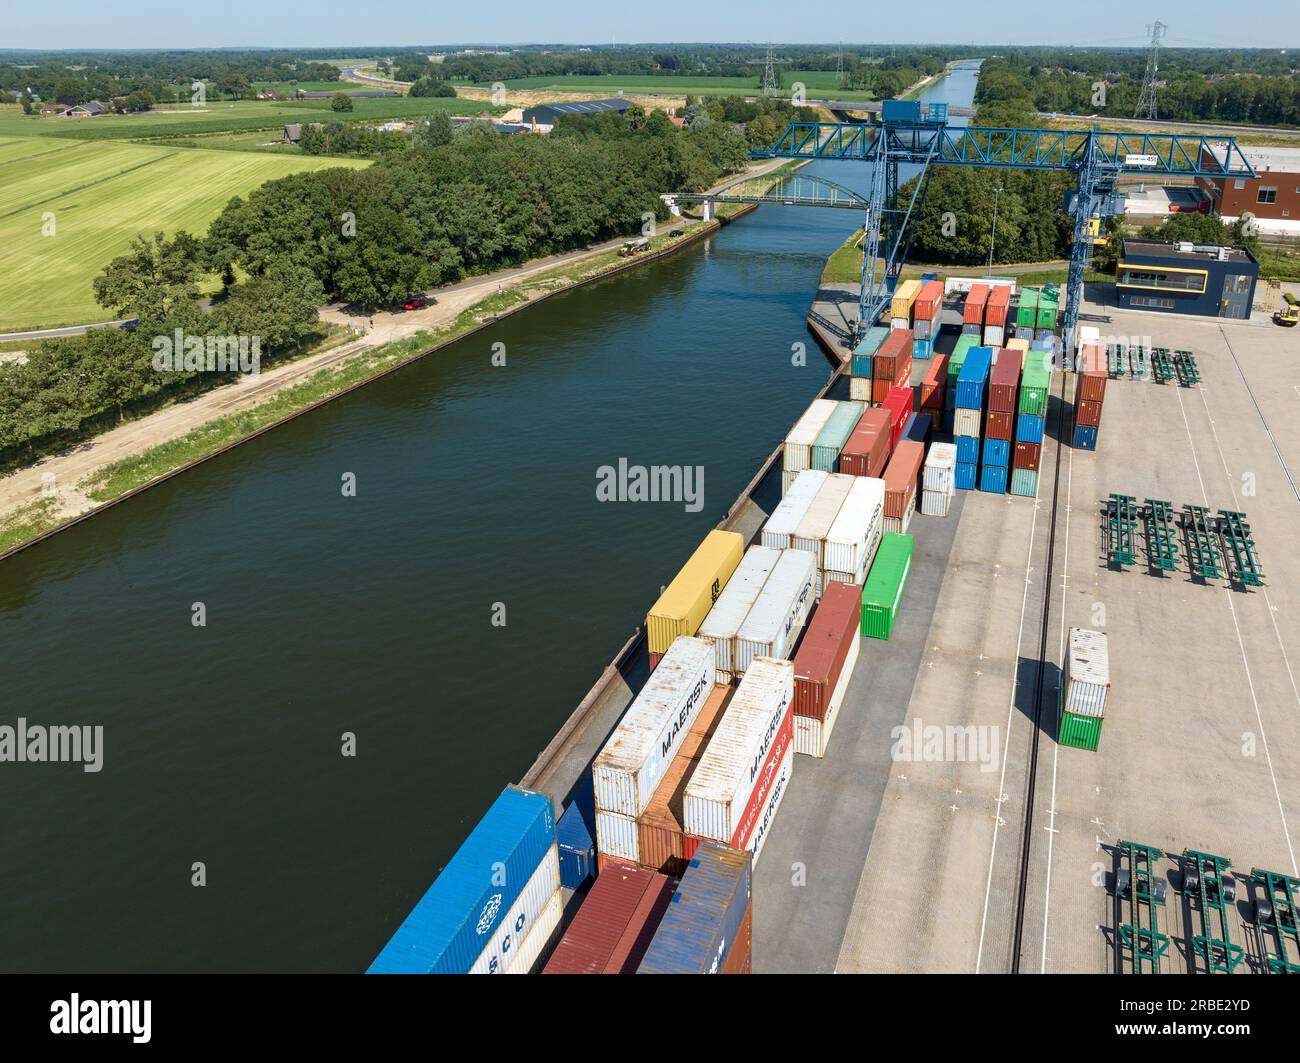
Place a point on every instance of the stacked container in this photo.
(779, 530)
(734, 792)
(925, 315)
(852, 540)
(686, 601)
(780, 611)
(810, 535)
(900, 306)
(703, 931)
(1027, 312)
(939, 479)
(933, 387)
(796, 454)
(1086, 688)
(956, 360)
(1091, 388)
(972, 380)
(901, 476)
(615, 924)
(892, 364)
(972, 314)
(831, 439)
(996, 311)
(1048, 304)
(886, 581)
(867, 450)
(628, 770)
(497, 903)
(1000, 423)
(724, 621)
(575, 837)
(823, 667)
(860, 365)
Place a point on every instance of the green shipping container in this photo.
(831, 439)
(1034, 381)
(883, 590)
(1081, 732)
(1027, 313)
(1047, 308)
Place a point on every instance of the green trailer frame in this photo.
(1162, 544)
(1139, 883)
(1121, 526)
(1210, 892)
(1162, 369)
(1239, 549)
(1203, 555)
(1276, 915)
(1116, 359)
(1189, 374)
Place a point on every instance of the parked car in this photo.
(416, 302)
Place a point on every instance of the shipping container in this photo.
(719, 788)
(997, 451)
(780, 526)
(506, 948)
(663, 842)
(1024, 482)
(904, 298)
(629, 767)
(827, 650)
(898, 324)
(899, 404)
(940, 464)
(883, 592)
(917, 428)
(901, 476)
(1048, 303)
(1034, 382)
(811, 533)
(1027, 455)
(1004, 380)
(894, 356)
(973, 378)
(797, 452)
(688, 598)
(999, 303)
(899, 525)
(923, 347)
(773, 794)
(968, 448)
(449, 926)
(880, 389)
(929, 300)
(867, 449)
(973, 309)
(1027, 311)
(613, 927)
(774, 623)
(935, 503)
(901, 111)
(949, 419)
(966, 422)
(1092, 386)
(993, 478)
(966, 475)
(923, 331)
(1029, 428)
(831, 439)
(1088, 413)
(1085, 437)
(737, 598)
(575, 837)
(934, 381)
(740, 957)
(860, 388)
(855, 533)
(866, 349)
(1000, 425)
(705, 915)
(994, 337)
(1018, 344)
(538, 937)
(1087, 672)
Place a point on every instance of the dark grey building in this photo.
(1185, 278)
(547, 113)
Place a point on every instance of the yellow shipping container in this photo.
(685, 603)
(904, 296)
(1018, 344)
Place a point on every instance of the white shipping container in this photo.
(822, 511)
(797, 454)
(502, 948)
(899, 526)
(811, 735)
(786, 517)
(720, 786)
(626, 772)
(1088, 672)
(936, 503)
(966, 422)
(858, 520)
(618, 835)
(860, 388)
(545, 931)
(994, 335)
(773, 805)
(939, 473)
(787, 481)
(733, 605)
(779, 613)
(921, 329)
(899, 323)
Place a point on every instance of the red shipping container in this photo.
(896, 349)
(898, 403)
(929, 302)
(932, 384)
(900, 477)
(995, 310)
(880, 390)
(615, 923)
(825, 647)
(1092, 386)
(767, 777)
(655, 658)
(1004, 379)
(999, 424)
(973, 310)
(1026, 455)
(740, 957)
(1087, 412)
(1092, 359)
(867, 449)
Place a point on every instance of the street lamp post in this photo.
(993, 234)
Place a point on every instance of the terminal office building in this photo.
(1184, 278)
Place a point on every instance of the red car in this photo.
(418, 302)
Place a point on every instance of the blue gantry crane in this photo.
(912, 134)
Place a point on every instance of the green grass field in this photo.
(818, 83)
(101, 194)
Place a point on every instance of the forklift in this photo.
(1288, 314)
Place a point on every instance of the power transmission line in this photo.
(769, 74)
(1146, 105)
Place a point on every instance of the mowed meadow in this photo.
(92, 197)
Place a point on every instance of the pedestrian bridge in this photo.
(791, 190)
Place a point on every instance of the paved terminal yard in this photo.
(902, 850)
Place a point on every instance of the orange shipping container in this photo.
(867, 450)
(930, 301)
(901, 475)
(933, 382)
(995, 310)
(893, 353)
(973, 311)
(1092, 386)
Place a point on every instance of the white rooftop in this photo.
(1281, 160)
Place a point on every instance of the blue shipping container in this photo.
(923, 348)
(573, 835)
(968, 449)
(994, 478)
(973, 376)
(949, 420)
(965, 477)
(453, 922)
(900, 111)
(997, 451)
(1085, 437)
(917, 428)
(864, 352)
(1024, 482)
(704, 915)
(1029, 428)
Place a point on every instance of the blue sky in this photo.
(240, 23)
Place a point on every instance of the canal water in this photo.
(373, 618)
